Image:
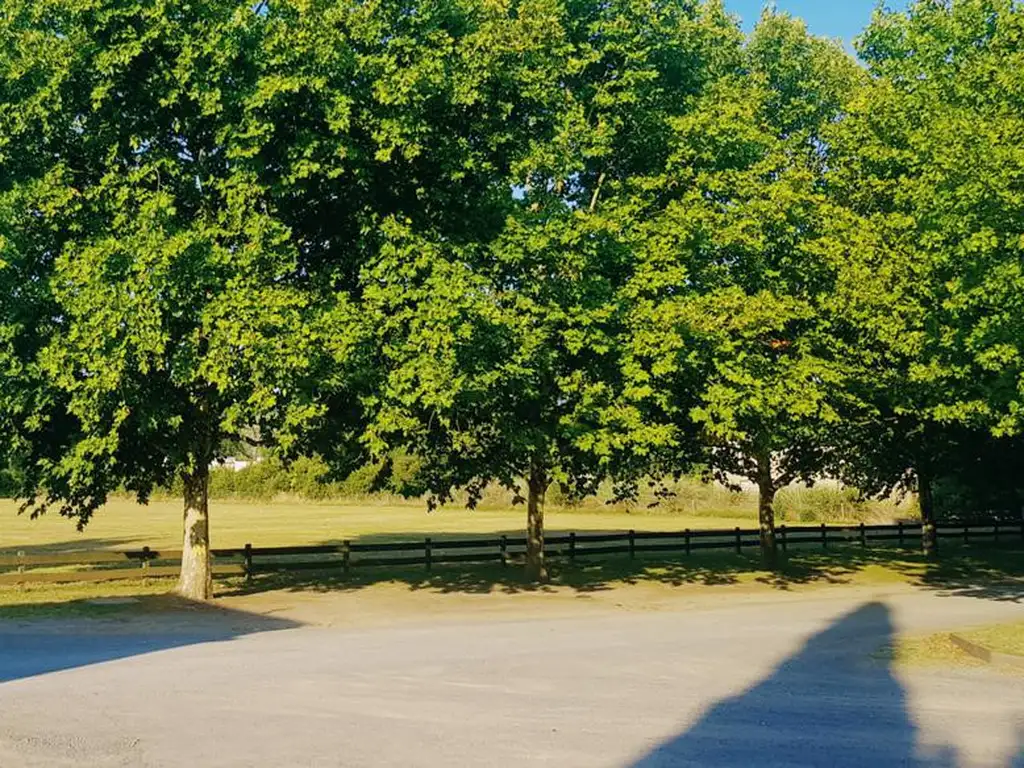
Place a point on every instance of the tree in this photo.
(166, 294)
(502, 352)
(729, 333)
(985, 482)
(927, 167)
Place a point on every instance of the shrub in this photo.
(405, 475)
(307, 477)
(829, 503)
(9, 482)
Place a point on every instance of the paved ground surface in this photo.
(775, 682)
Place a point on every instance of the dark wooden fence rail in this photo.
(21, 567)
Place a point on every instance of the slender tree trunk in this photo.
(925, 499)
(196, 579)
(766, 509)
(536, 570)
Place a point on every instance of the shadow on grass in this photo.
(150, 624)
(977, 571)
(74, 545)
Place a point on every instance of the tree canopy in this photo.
(526, 242)
(927, 168)
(731, 337)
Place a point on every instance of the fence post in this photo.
(686, 539)
(782, 537)
(739, 541)
(427, 552)
(145, 558)
(995, 531)
(632, 543)
(901, 532)
(346, 551)
(248, 562)
(967, 533)
(503, 548)
(21, 561)
(863, 536)
(572, 547)
(824, 536)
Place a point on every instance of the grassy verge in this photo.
(77, 599)
(960, 569)
(939, 650)
(983, 572)
(1004, 638)
(935, 650)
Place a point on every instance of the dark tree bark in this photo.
(766, 508)
(929, 535)
(536, 569)
(196, 579)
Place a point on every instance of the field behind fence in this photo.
(55, 567)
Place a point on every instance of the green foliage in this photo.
(310, 478)
(10, 482)
(927, 165)
(168, 283)
(985, 482)
(730, 345)
(501, 353)
(834, 504)
(450, 245)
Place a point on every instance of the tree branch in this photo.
(597, 191)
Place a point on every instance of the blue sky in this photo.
(831, 18)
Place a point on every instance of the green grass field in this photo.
(124, 524)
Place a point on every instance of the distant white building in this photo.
(230, 462)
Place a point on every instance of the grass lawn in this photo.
(123, 524)
(1004, 638)
(648, 579)
(939, 650)
(69, 600)
(386, 594)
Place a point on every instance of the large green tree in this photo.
(729, 336)
(502, 350)
(158, 306)
(928, 165)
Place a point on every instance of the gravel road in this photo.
(773, 683)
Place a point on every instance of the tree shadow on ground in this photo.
(984, 572)
(849, 709)
(74, 545)
(155, 623)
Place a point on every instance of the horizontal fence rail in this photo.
(54, 567)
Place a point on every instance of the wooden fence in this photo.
(53, 567)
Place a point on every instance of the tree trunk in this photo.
(929, 536)
(536, 570)
(766, 519)
(766, 509)
(196, 579)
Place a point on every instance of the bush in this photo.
(9, 482)
(830, 503)
(362, 482)
(308, 478)
(405, 475)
